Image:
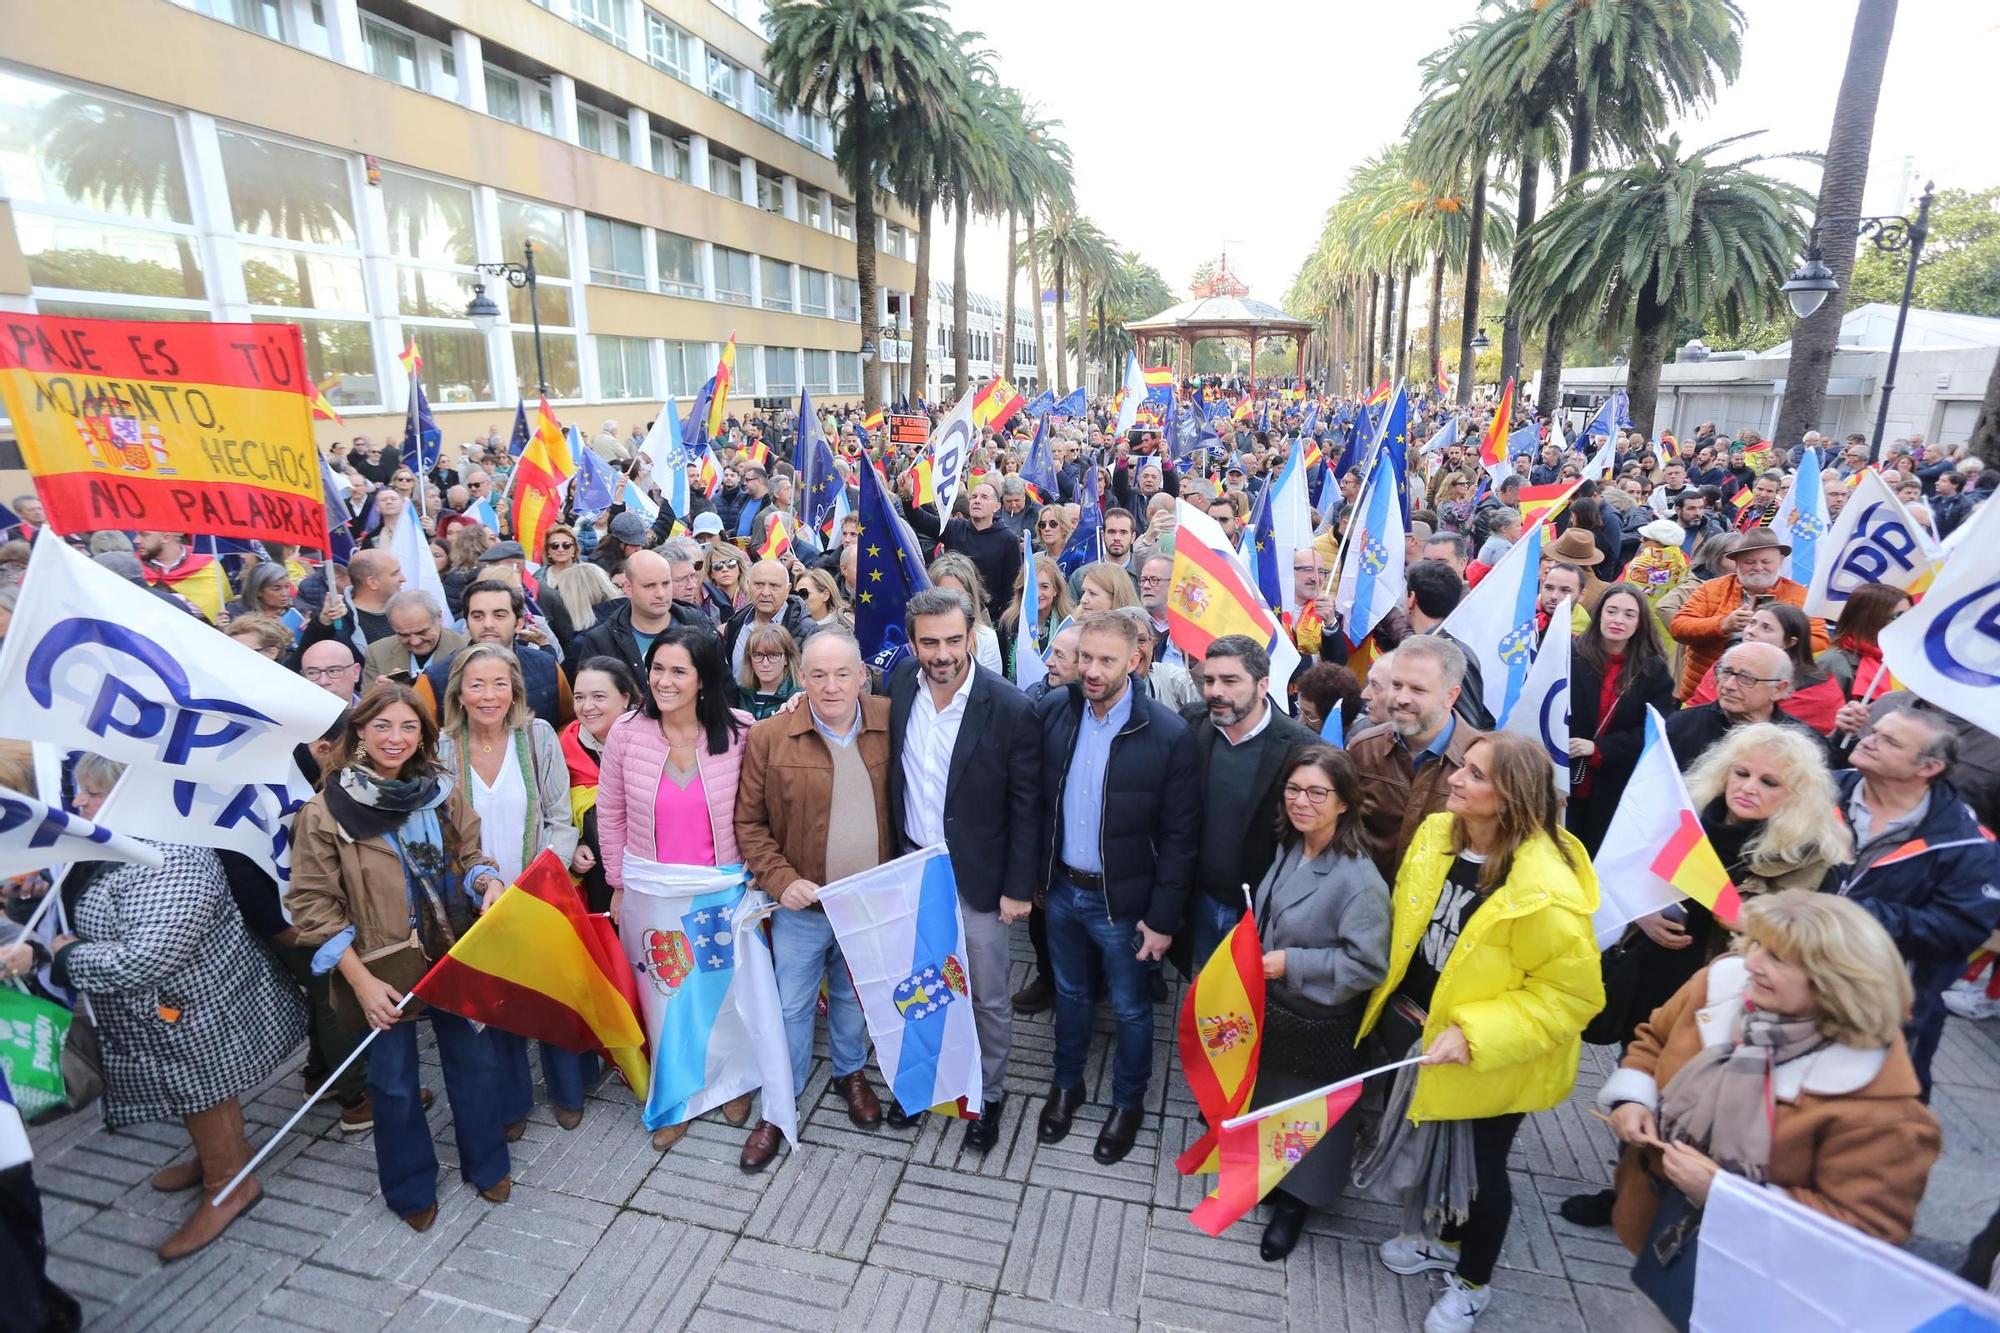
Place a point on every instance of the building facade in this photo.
(344, 165)
(986, 350)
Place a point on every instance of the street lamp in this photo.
(485, 313)
(1480, 342)
(1813, 282)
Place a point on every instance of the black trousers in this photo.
(1038, 935)
(1480, 1235)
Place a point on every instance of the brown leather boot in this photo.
(178, 1176)
(737, 1110)
(222, 1150)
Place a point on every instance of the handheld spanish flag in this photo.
(1542, 503)
(725, 371)
(1691, 864)
(1493, 444)
(758, 452)
(1381, 394)
(777, 537)
(1221, 1033)
(412, 359)
(321, 408)
(538, 964)
(873, 421)
(539, 478)
(995, 403)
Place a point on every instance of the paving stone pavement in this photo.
(856, 1230)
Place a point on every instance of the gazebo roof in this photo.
(1221, 317)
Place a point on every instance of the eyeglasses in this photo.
(1048, 523)
(1724, 675)
(767, 657)
(1311, 795)
(326, 673)
(562, 546)
(1154, 578)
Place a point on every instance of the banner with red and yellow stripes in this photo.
(1221, 1034)
(167, 427)
(1258, 1154)
(544, 468)
(539, 965)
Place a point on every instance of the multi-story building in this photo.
(345, 164)
(985, 318)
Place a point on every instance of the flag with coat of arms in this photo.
(899, 928)
(1496, 620)
(1371, 566)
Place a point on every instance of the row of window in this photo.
(981, 345)
(649, 369)
(619, 253)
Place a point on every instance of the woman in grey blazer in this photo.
(1323, 920)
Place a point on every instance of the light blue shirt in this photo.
(843, 740)
(1083, 790)
(1435, 750)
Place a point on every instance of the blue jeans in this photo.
(1210, 921)
(569, 1076)
(1083, 939)
(803, 950)
(516, 1086)
(405, 1158)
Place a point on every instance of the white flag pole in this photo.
(1317, 1094)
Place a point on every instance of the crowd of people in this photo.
(654, 692)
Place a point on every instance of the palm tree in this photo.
(854, 62)
(1664, 239)
(915, 144)
(972, 162)
(1037, 168)
(1840, 186)
(1075, 249)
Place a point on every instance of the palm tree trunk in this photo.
(1083, 331)
(1985, 438)
(1367, 375)
(920, 306)
(1840, 186)
(1388, 358)
(1035, 287)
(1062, 333)
(864, 246)
(1403, 329)
(1524, 218)
(1652, 330)
(1436, 353)
(1007, 317)
(1475, 255)
(1548, 389)
(961, 343)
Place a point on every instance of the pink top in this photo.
(628, 784)
(681, 832)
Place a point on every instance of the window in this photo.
(673, 157)
(725, 175)
(624, 367)
(391, 52)
(679, 262)
(456, 367)
(812, 292)
(340, 357)
(777, 284)
(722, 80)
(565, 372)
(812, 208)
(603, 131)
(843, 221)
(815, 132)
(667, 47)
(847, 299)
(781, 371)
(732, 276)
(770, 193)
(617, 252)
(601, 18)
(847, 367)
(519, 100)
(258, 16)
(687, 368)
(819, 370)
(766, 106)
(523, 220)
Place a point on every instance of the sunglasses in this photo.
(562, 546)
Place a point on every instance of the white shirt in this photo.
(928, 741)
(503, 814)
(1255, 731)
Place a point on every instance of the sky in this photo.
(1192, 137)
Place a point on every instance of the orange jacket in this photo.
(1698, 625)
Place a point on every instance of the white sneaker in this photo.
(1971, 1002)
(1457, 1306)
(1417, 1254)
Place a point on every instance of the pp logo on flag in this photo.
(1963, 643)
(1880, 540)
(924, 992)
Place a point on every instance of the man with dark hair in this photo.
(1244, 745)
(1118, 773)
(965, 770)
(994, 551)
(1448, 547)
(493, 612)
(1433, 591)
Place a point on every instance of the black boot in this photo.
(1589, 1210)
(1281, 1233)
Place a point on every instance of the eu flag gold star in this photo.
(867, 596)
(874, 576)
(874, 549)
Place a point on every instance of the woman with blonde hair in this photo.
(1053, 525)
(820, 591)
(579, 588)
(956, 571)
(261, 634)
(560, 549)
(1104, 586)
(728, 571)
(467, 543)
(770, 672)
(1782, 1062)
(1053, 605)
(1492, 974)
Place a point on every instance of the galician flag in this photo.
(706, 991)
(1542, 711)
(899, 927)
(1130, 395)
(1801, 519)
(1875, 540)
(1371, 564)
(1655, 853)
(667, 459)
(1030, 667)
(1221, 1033)
(1497, 621)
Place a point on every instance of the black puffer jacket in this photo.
(1152, 804)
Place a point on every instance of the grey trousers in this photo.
(992, 996)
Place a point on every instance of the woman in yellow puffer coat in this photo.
(1493, 973)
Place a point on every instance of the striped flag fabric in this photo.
(1211, 594)
(412, 359)
(1381, 394)
(1493, 444)
(995, 403)
(1542, 503)
(321, 408)
(1221, 1034)
(1255, 1155)
(545, 468)
(777, 537)
(1371, 581)
(1655, 853)
(1691, 864)
(725, 373)
(538, 964)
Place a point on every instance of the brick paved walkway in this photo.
(892, 1229)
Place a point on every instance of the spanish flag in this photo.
(1543, 503)
(1244, 407)
(725, 371)
(545, 466)
(778, 537)
(1493, 444)
(322, 410)
(995, 403)
(1690, 863)
(1221, 1033)
(412, 359)
(1209, 595)
(873, 421)
(1256, 1156)
(1381, 394)
(539, 965)
(758, 452)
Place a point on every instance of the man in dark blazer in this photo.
(965, 770)
(1246, 747)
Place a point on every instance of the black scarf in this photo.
(367, 806)
(1728, 839)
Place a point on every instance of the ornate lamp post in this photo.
(485, 313)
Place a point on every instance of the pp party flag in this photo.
(538, 964)
(777, 537)
(1131, 392)
(889, 570)
(1211, 595)
(545, 468)
(93, 662)
(1875, 540)
(1768, 1260)
(1221, 1034)
(1371, 565)
(725, 374)
(1073, 404)
(899, 928)
(1539, 504)
(254, 819)
(423, 442)
(517, 436)
(706, 991)
(1493, 444)
(1542, 712)
(1654, 853)
(1030, 666)
(1801, 519)
(37, 836)
(995, 403)
(412, 359)
(1086, 542)
(1946, 649)
(1496, 620)
(1257, 1153)
(941, 469)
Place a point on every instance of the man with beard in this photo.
(965, 770)
(1246, 747)
(1713, 616)
(1406, 766)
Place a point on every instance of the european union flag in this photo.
(422, 440)
(1041, 404)
(1087, 542)
(694, 430)
(1260, 549)
(339, 538)
(1073, 404)
(595, 485)
(1394, 434)
(1310, 421)
(889, 571)
(1038, 469)
(517, 439)
(819, 479)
